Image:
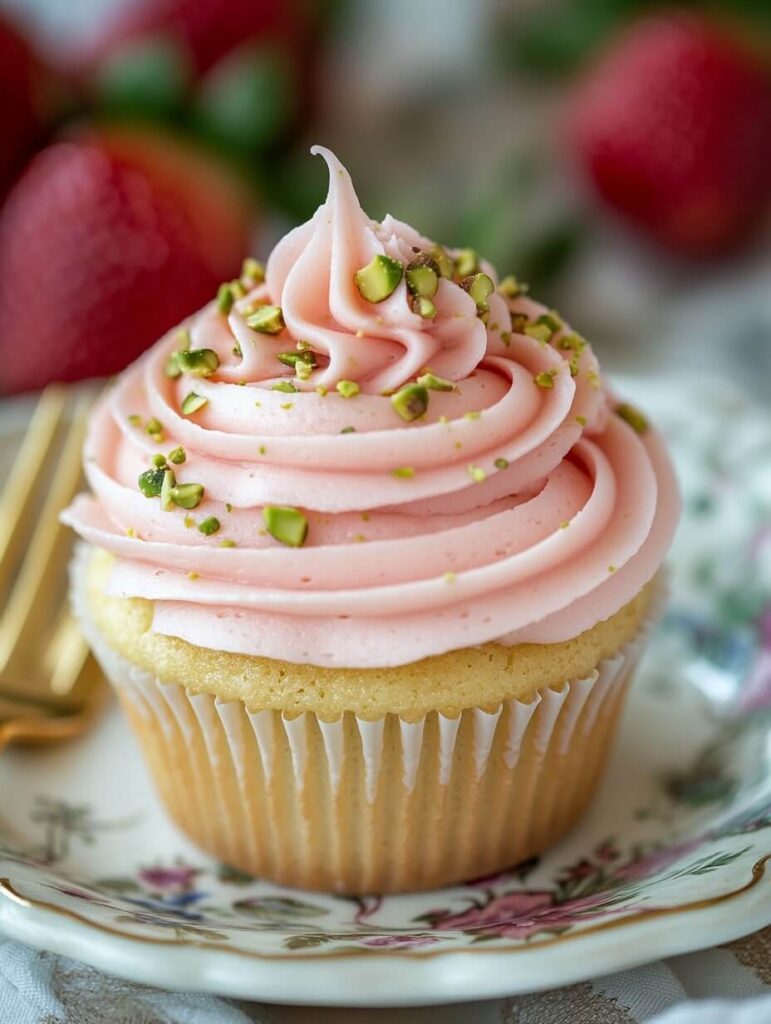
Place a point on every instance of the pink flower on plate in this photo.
(397, 941)
(161, 879)
(498, 913)
(652, 863)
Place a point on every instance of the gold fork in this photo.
(50, 686)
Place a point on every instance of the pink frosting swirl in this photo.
(527, 512)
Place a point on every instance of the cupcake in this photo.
(370, 555)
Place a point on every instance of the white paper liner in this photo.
(231, 758)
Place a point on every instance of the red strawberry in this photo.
(106, 242)
(24, 88)
(673, 127)
(206, 29)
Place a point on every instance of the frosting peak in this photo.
(498, 499)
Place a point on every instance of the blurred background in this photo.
(616, 154)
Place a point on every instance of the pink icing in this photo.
(394, 569)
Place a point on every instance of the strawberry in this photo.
(107, 241)
(207, 30)
(24, 87)
(673, 128)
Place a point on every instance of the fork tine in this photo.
(48, 548)
(20, 488)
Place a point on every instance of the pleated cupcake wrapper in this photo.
(317, 803)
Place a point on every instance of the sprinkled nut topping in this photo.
(571, 342)
(545, 379)
(411, 401)
(134, 419)
(150, 482)
(477, 474)
(287, 525)
(159, 461)
(403, 472)
(449, 577)
(443, 260)
(209, 525)
(192, 403)
(187, 495)
(252, 271)
(480, 287)
(183, 338)
(501, 463)
(512, 288)
(540, 331)
(303, 362)
(423, 307)
(434, 383)
(348, 430)
(171, 367)
(347, 388)
(167, 486)
(226, 542)
(200, 362)
(225, 299)
(581, 420)
(177, 456)
(379, 278)
(466, 262)
(286, 386)
(422, 276)
(266, 320)
(631, 415)
(154, 428)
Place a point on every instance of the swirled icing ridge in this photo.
(518, 508)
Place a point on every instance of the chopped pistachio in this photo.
(594, 379)
(304, 369)
(134, 419)
(226, 542)
(538, 331)
(287, 405)
(571, 342)
(154, 427)
(423, 307)
(519, 322)
(611, 568)
(183, 338)
(565, 524)
(298, 360)
(581, 420)
(449, 577)
(574, 366)
(189, 522)
(177, 456)
(506, 338)
(200, 362)
(552, 320)
(167, 487)
(631, 415)
(238, 290)
(303, 346)
(171, 367)
(501, 463)
(403, 472)
(236, 350)
(466, 262)
(266, 320)
(253, 270)
(228, 507)
(187, 495)
(443, 260)
(262, 449)
(150, 482)
(348, 430)
(130, 531)
(477, 474)
(192, 403)
(434, 383)
(225, 299)
(473, 415)
(285, 524)
(512, 288)
(545, 379)
(286, 386)
(240, 383)
(321, 390)
(422, 276)
(480, 288)
(411, 401)
(379, 278)
(209, 525)
(159, 461)
(347, 388)
(444, 419)
(192, 575)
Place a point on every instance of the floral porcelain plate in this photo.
(674, 856)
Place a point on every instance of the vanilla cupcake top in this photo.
(370, 452)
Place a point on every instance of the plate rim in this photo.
(447, 976)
